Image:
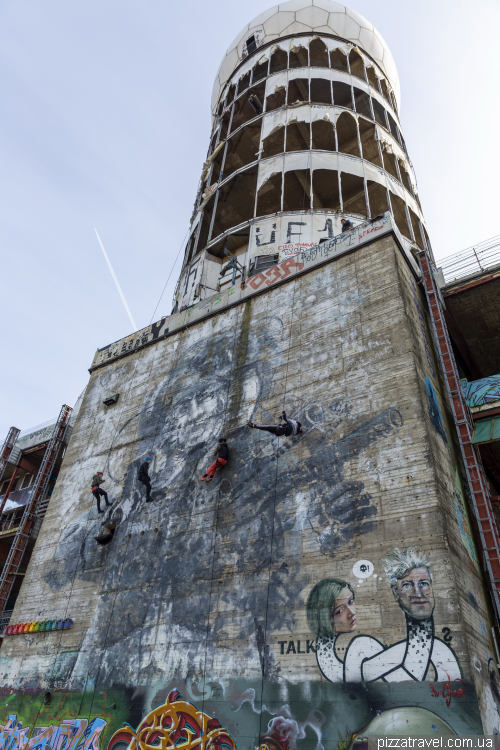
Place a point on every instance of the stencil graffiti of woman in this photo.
(330, 612)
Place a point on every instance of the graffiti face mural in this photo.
(421, 656)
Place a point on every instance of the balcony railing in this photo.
(473, 260)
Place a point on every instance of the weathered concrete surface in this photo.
(205, 588)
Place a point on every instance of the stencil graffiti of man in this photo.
(421, 656)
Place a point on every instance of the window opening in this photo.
(323, 135)
(230, 94)
(338, 60)
(379, 113)
(372, 76)
(326, 192)
(298, 90)
(377, 197)
(399, 213)
(274, 143)
(242, 148)
(261, 263)
(251, 44)
(217, 166)
(298, 57)
(248, 106)
(224, 125)
(321, 91)
(206, 220)
(297, 136)
(390, 164)
(356, 64)
(369, 142)
(318, 54)
(385, 90)
(297, 190)
(416, 228)
(260, 71)
(4, 487)
(236, 243)
(279, 61)
(26, 481)
(347, 134)
(276, 99)
(236, 201)
(362, 102)
(353, 193)
(244, 83)
(190, 248)
(392, 125)
(405, 177)
(269, 196)
(342, 94)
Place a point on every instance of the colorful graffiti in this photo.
(175, 723)
(70, 734)
(481, 392)
(434, 410)
(421, 656)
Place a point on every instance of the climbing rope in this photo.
(170, 274)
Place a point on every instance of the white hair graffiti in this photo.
(400, 561)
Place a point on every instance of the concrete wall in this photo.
(205, 590)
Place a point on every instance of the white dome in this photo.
(314, 16)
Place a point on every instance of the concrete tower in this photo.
(306, 132)
(324, 586)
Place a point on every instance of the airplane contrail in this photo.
(116, 281)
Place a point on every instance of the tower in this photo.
(306, 133)
(327, 584)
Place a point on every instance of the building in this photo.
(325, 586)
(30, 462)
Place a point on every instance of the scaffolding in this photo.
(480, 495)
(34, 507)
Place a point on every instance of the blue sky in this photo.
(104, 122)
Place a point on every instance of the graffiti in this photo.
(434, 410)
(447, 637)
(363, 569)
(448, 692)
(331, 611)
(71, 734)
(175, 723)
(463, 520)
(316, 253)
(481, 392)
(291, 649)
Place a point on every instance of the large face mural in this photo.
(194, 605)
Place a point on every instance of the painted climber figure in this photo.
(143, 477)
(222, 453)
(98, 492)
(347, 225)
(288, 428)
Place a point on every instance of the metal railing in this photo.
(473, 260)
